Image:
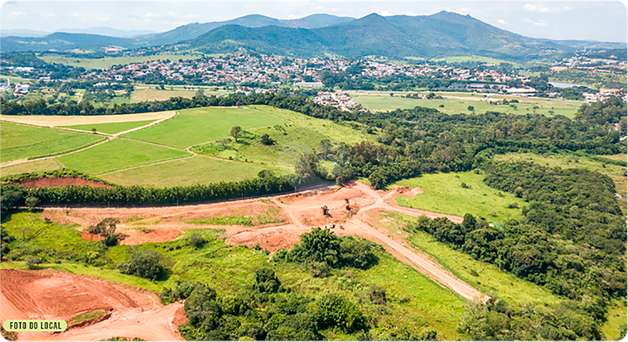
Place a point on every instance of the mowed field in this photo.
(199, 125)
(163, 154)
(62, 120)
(444, 194)
(22, 142)
(118, 154)
(184, 171)
(111, 128)
(458, 104)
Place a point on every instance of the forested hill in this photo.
(437, 35)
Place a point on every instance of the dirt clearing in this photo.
(49, 294)
(57, 120)
(53, 182)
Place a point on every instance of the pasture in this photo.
(200, 125)
(459, 103)
(27, 142)
(118, 154)
(111, 128)
(300, 133)
(414, 300)
(444, 193)
(103, 63)
(47, 164)
(184, 171)
(489, 279)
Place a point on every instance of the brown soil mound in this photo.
(54, 182)
(50, 294)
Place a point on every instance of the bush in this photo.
(32, 202)
(336, 311)
(31, 262)
(145, 264)
(197, 240)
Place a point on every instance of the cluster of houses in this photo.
(605, 94)
(590, 64)
(339, 100)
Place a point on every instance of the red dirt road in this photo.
(299, 211)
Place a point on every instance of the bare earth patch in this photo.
(56, 120)
(49, 294)
(53, 182)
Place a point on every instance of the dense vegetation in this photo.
(570, 240)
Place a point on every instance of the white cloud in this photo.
(76, 15)
(104, 19)
(540, 24)
(526, 20)
(17, 14)
(49, 15)
(150, 15)
(533, 8)
(502, 21)
(384, 13)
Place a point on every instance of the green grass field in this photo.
(413, 299)
(184, 171)
(20, 141)
(458, 103)
(200, 125)
(617, 316)
(103, 63)
(47, 164)
(300, 133)
(444, 194)
(490, 278)
(111, 128)
(118, 154)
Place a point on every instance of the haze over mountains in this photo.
(438, 35)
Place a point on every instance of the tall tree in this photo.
(235, 131)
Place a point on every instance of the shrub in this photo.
(145, 264)
(197, 240)
(31, 262)
(32, 202)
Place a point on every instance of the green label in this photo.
(34, 325)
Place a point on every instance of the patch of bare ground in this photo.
(49, 294)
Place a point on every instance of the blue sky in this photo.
(584, 20)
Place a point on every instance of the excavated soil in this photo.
(54, 182)
(49, 294)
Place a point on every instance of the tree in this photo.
(470, 108)
(235, 131)
(146, 264)
(267, 140)
(32, 202)
(325, 146)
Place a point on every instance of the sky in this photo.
(581, 20)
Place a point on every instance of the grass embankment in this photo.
(20, 141)
(459, 103)
(85, 317)
(111, 128)
(413, 298)
(117, 154)
(268, 216)
(444, 193)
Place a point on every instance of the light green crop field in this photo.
(200, 125)
(47, 164)
(103, 63)
(490, 278)
(184, 171)
(444, 194)
(118, 154)
(458, 104)
(301, 133)
(413, 299)
(20, 141)
(159, 95)
(111, 128)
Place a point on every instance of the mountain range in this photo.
(438, 35)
